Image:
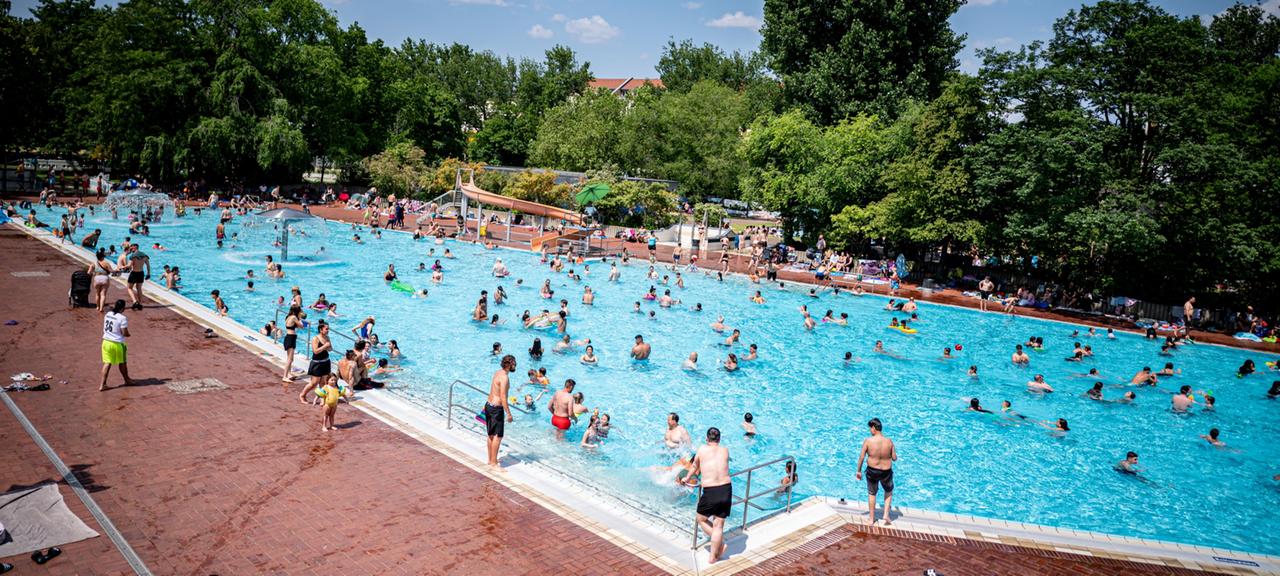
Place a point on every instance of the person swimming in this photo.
(976, 406)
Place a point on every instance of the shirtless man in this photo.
(1182, 400)
(985, 288)
(1020, 356)
(139, 272)
(561, 407)
(641, 350)
(880, 455)
(1144, 377)
(711, 465)
(676, 436)
(496, 406)
(1189, 310)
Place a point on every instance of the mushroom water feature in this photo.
(148, 205)
(300, 237)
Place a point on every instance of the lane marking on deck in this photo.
(122, 545)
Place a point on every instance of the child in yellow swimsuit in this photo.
(330, 393)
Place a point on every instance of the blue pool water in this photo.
(805, 401)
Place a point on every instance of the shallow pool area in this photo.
(805, 400)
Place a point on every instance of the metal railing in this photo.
(747, 497)
(449, 412)
(452, 404)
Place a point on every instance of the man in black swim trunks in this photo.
(711, 469)
(880, 455)
(496, 407)
(139, 272)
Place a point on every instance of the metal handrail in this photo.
(452, 404)
(745, 500)
(449, 414)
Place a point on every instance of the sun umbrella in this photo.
(592, 193)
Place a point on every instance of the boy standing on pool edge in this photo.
(880, 454)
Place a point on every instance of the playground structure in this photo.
(553, 227)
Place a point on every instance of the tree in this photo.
(779, 152)
(683, 64)
(841, 57)
(638, 204)
(540, 187)
(580, 133)
(399, 169)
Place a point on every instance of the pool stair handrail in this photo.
(745, 499)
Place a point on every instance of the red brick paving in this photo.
(241, 481)
(857, 551)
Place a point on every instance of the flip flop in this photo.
(10, 323)
(5, 568)
(41, 557)
(39, 387)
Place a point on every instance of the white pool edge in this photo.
(656, 543)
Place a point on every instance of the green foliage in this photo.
(712, 214)
(399, 169)
(683, 64)
(842, 57)
(540, 187)
(637, 204)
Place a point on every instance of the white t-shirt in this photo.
(113, 327)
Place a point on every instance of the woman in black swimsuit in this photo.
(319, 368)
(291, 324)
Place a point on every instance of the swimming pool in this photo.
(806, 402)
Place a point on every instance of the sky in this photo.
(623, 38)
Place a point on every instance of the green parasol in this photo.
(592, 193)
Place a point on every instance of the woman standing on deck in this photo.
(101, 272)
(291, 324)
(320, 367)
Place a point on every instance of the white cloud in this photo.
(736, 20)
(591, 30)
(540, 31)
(558, 18)
(1271, 7)
(692, 5)
(644, 55)
(981, 2)
(481, 2)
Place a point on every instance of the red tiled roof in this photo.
(628, 84)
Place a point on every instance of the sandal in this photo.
(41, 557)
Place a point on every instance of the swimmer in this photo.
(563, 345)
(690, 363)
(718, 325)
(789, 479)
(390, 274)
(975, 406)
(1058, 428)
(879, 349)
(973, 371)
(1092, 373)
(1212, 438)
(1095, 393)
(1111, 333)
(748, 425)
(809, 324)
(497, 349)
(1168, 370)
(751, 353)
(1006, 408)
(535, 351)
(481, 311)
(1128, 398)
(590, 356)
(667, 301)
(1129, 465)
(1274, 391)
(676, 437)
(946, 353)
(1182, 401)
(849, 358)
(637, 309)
(641, 349)
(218, 305)
(384, 368)
(1020, 356)
(758, 298)
(1039, 385)
(613, 273)
(1144, 377)
(588, 297)
(562, 407)
(731, 363)
(733, 338)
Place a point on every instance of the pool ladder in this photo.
(452, 404)
(745, 500)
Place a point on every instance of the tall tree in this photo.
(841, 57)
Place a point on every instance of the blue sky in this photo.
(625, 37)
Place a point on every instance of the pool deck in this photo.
(240, 480)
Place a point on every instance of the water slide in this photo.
(533, 208)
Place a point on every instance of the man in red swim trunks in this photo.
(561, 407)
